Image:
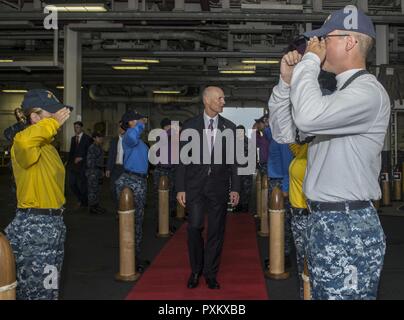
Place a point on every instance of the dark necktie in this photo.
(77, 140)
(210, 127)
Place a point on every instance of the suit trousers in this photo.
(205, 258)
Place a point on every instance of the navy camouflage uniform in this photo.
(298, 226)
(39, 275)
(138, 185)
(345, 253)
(94, 173)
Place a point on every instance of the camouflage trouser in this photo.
(245, 192)
(299, 226)
(38, 245)
(161, 172)
(288, 231)
(345, 253)
(138, 186)
(93, 186)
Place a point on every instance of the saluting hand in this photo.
(62, 115)
(317, 47)
(288, 63)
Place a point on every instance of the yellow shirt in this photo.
(38, 170)
(297, 170)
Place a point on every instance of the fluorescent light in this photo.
(141, 60)
(237, 67)
(237, 71)
(253, 61)
(166, 92)
(62, 87)
(14, 91)
(6, 60)
(131, 67)
(77, 8)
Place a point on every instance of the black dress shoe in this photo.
(193, 280)
(212, 283)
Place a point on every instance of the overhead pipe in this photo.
(192, 17)
(165, 35)
(161, 99)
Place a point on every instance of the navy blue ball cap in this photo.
(132, 115)
(349, 18)
(44, 99)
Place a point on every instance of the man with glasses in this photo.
(345, 241)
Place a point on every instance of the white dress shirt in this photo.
(209, 133)
(350, 125)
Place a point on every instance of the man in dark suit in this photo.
(115, 161)
(77, 163)
(204, 187)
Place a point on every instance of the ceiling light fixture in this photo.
(237, 71)
(62, 87)
(95, 7)
(253, 61)
(140, 60)
(131, 67)
(6, 60)
(166, 92)
(14, 91)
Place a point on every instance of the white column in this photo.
(72, 83)
(179, 5)
(317, 5)
(133, 5)
(382, 57)
(363, 5)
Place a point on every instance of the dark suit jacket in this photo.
(79, 151)
(192, 178)
(113, 150)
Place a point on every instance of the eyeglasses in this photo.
(333, 35)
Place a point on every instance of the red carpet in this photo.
(240, 274)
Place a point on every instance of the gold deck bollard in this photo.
(264, 207)
(258, 191)
(164, 231)
(8, 281)
(180, 212)
(306, 281)
(127, 257)
(276, 269)
(397, 183)
(386, 200)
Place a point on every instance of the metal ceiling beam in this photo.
(190, 17)
(277, 51)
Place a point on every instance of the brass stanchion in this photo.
(164, 231)
(397, 183)
(276, 269)
(386, 200)
(258, 192)
(8, 281)
(180, 212)
(306, 281)
(264, 207)
(127, 257)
